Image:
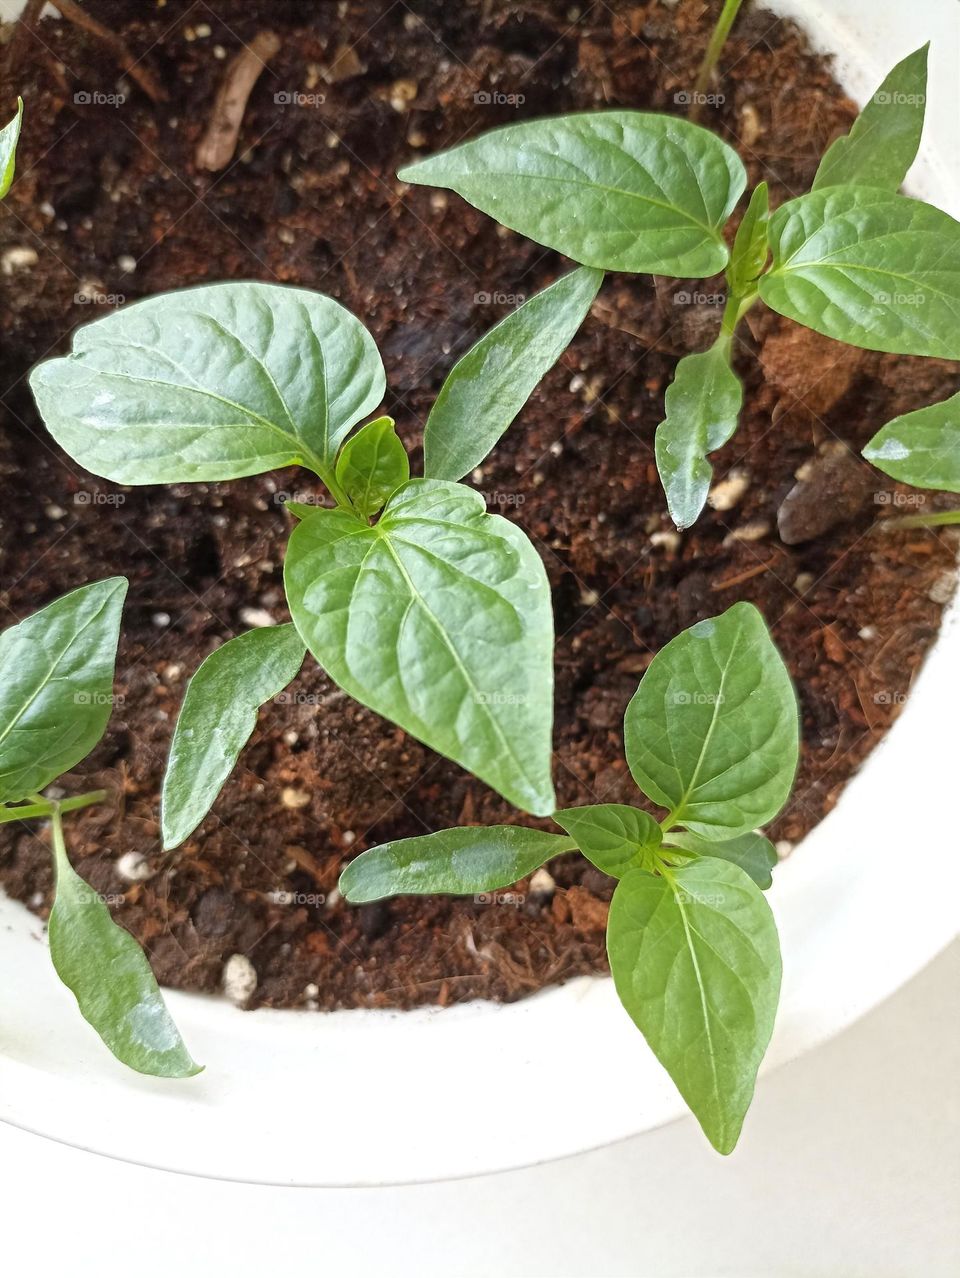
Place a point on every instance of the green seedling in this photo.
(711, 736)
(413, 598)
(852, 259)
(56, 696)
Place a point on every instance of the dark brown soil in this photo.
(312, 200)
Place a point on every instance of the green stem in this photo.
(717, 40)
(41, 807)
(937, 520)
(59, 843)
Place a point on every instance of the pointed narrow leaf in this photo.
(9, 136)
(611, 835)
(489, 385)
(617, 190)
(696, 962)
(211, 383)
(460, 862)
(750, 247)
(921, 448)
(753, 852)
(703, 407)
(111, 979)
(712, 731)
(372, 465)
(56, 685)
(217, 718)
(439, 618)
(870, 268)
(885, 137)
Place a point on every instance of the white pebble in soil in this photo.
(134, 867)
(542, 882)
(259, 618)
(239, 979)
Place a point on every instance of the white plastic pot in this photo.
(372, 1098)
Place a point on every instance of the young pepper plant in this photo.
(712, 736)
(55, 701)
(852, 259)
(413, 598)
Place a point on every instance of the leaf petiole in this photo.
(41, 807)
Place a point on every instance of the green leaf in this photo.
(703, 407)
(211, 383)
(439, 618)
(617, 190)
(611, 835)
(885, 137)
(372, 465)
(712, 731)
(9, 136)
(110, 977)
(753, 852)
(869, 268)
(56, 686)
(696, 962)
(921, 448)
(459, 862)
(218, 715)
(491, 383)
(750, 247)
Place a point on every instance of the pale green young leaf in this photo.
(9, 136)
(211, 383)
(870, 268)
(702, 404)
(459, 862)
(372, 465)
(750, 246)
(712, 732)
(489, 385)
(110, 977)
(921, 448)
(439, 618)
(56, 684)
(885, 137)
(611, 835)
(616, 190)
(696, 962)
(218, 715)
(753, 852)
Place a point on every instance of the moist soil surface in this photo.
(109, 205)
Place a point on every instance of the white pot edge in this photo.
(373, 1098)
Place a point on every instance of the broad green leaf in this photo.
(211, 383)
(885, 137)
(56, 685)
(712, 731)
(459, 862)
(110, 977)
(753, 852)
(611, 835)
(372, 465)
(9, 136)
(921, 448)
(617, 190)
(439, 618)
(696, 962)
(491, 383)
(870, 268)
(703, 407)
(218, 715)
(750, 247)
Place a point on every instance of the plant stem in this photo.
(41, 807)
(717, 40)
(936, 520)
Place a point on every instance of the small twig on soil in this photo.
(128, 63)
(219, 143)
(741, 577)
